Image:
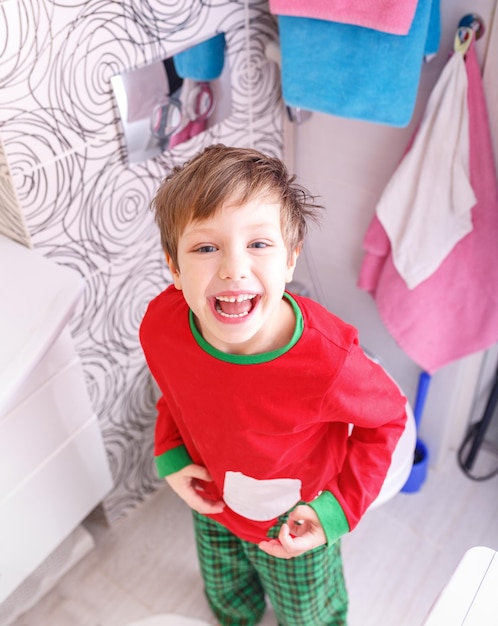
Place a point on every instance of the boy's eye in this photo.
(258, 244)
(205, 249)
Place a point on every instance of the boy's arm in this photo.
(170, 453)
(173, 463)
(364, 396)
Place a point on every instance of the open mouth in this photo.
(235, 307)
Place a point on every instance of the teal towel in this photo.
(434, 32)
(350, 71)
(203, 62)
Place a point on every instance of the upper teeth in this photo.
(241, 298)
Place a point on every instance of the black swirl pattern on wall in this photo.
(45, 193)
(264, 74)
(85, 207)
(109, 213)
(104, 373)
(129, 443)
(127, 300)
(106, 321)
(97, 46)
(170, 20)
(115, 211)
(24, 32)
(254, 80)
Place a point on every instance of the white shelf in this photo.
(37, 299)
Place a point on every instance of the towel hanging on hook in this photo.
(454, 312)
(354, 72)
(423, 219)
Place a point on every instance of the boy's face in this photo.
(232, 269)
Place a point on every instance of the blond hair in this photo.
(197, 189)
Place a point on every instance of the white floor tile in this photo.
(396, 561)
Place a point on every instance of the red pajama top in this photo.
(273, 429)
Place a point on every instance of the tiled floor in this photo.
(396, 561)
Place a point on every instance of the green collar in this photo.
(251, 359)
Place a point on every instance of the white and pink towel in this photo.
(425, 208)
(454, 311)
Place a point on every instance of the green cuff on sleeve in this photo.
(172, 461)
(331, 516)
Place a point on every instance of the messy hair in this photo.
(196, 190)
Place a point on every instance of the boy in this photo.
(260, 388)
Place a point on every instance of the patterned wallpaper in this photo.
(65, 187)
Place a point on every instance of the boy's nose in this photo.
(234, 266)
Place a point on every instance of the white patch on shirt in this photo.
(260, 500)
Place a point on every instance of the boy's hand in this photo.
(186, 484)
(301, 533)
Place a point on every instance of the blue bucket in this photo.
(419, 469)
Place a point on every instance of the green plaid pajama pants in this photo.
(308, 590)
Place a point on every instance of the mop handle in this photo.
(423, 387)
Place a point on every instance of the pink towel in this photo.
(389, 16)
(454, 312)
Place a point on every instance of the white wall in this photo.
(348, 163)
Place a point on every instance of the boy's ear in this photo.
(175, 272)
(291, 264)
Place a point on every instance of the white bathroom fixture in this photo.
(37, 299)
(53, 465)
(403, 455)
(469, 598)
(401, 462)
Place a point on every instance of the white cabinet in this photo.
(469, 598)
(53, 465)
